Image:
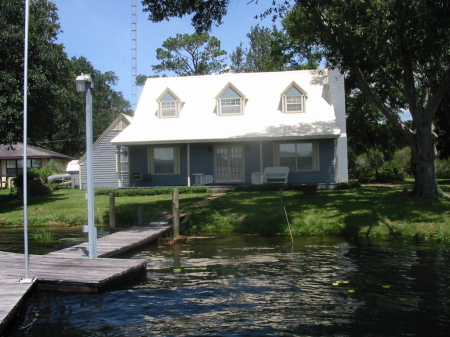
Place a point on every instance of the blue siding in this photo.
(202, 161)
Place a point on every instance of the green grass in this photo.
(375, 211)
(68, 207)
(43, 236)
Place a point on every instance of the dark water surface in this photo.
(254, 286)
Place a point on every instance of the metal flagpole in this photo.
(27, 278)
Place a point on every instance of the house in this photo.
(106, 158)
(228, 128)
(11, 160)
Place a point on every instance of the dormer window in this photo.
(169, 105)
(293, 99)
(230, 101)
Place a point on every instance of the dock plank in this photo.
(119, 242)
(70, 269)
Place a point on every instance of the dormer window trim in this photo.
(233, 104)
(169, 104)
(293, 99)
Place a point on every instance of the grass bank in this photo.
(373, 211)
(68, 207)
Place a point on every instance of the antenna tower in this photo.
(133, 54)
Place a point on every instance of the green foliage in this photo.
(48, 70)
(186, 55)
(55, 111)
(409, 40)
(442, 128)
(402, 158)
(133, 192)
(443, 168)
(371, 167)
(43, 236)
(205, 13)
(271, 50)
(348, 185)
(35, 186)
(56, 166)
(207, 220)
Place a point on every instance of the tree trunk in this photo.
(423, 157)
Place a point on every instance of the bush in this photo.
(371, 167)
(132, 192)
(35, 184)
(267, 188)
(403, 160)
(348, 185)
(443, 169)
(390, 173)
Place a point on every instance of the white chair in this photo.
(276, 175)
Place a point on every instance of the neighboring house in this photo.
(106, 157)
(226, 129)
(11, 160)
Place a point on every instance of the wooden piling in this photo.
(112, 211)
(141, 215)
(176, 212)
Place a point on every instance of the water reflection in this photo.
(253, 286)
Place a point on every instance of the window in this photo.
(230, 101)
(122, 159)
(293, 99)
(164, 160)
(299, 156)
(15, 166)
(169, 105)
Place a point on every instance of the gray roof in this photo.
(16, 152)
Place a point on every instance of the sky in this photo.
(100, 30)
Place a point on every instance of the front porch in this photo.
(231, 163)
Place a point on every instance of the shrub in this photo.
(371, 167)
(443, 169)
(132, 192)
(348, 185)
(403, 160)
(35, 184)
(390, 173)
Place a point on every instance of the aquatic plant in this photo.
(43, 236)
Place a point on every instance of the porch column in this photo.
(119, 168)
(189, 164)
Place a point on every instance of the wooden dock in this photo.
(70, 269)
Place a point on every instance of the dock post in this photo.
(141, 215)
(112, 211)
(176, 212)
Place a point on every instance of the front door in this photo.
(229, 163)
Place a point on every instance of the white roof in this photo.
(262, 118)
(73, 166)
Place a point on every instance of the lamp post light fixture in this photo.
(85, 84)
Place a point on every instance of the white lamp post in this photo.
(85, 84)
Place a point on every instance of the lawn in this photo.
(373, 211)
(69, 207)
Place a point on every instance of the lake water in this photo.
(257, 286)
